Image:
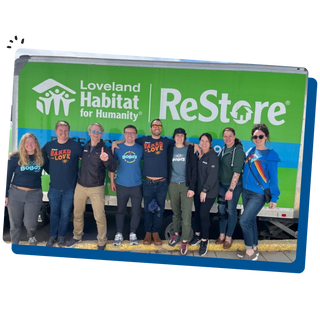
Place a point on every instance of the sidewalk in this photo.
(270, 250)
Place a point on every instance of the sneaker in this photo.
(118, 239)
(133, 239)
(32, 241)
(51, 241)
(174, 239)
(203, 247)
(61, 242)
(195, 240)
(242, 253)
(252, 257)
(184, 248)
(72, 242)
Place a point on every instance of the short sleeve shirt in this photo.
(129, 165)
(155, 155)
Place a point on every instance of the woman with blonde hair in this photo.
(23, 190)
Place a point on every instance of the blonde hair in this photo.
(96, 124)
(24, 157)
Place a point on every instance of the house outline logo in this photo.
(57, 97)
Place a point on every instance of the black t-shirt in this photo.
(63, 163)
(155, 155)
(28, 176)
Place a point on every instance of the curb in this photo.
(264, 246)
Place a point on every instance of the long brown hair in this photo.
(24, 157)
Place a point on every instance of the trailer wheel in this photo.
(167, 230)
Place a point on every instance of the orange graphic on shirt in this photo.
(61, 155)
(156, 147)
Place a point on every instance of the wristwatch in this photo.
(230, 189)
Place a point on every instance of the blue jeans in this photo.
(229, 218)
(61, 202)
(252, 203)
(157, 191)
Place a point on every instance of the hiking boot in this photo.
(156, 239)
(147, 239)
(242, 253)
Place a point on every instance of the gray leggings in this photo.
(23, 207)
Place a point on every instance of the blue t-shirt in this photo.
(155, 155)
(129, 168)
(63, 163)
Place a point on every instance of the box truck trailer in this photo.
(196, 95)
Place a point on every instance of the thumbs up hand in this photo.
(103, 156)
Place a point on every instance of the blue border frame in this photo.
(295, 267)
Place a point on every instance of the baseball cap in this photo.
(179, 130)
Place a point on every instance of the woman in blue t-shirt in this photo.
(23, 192)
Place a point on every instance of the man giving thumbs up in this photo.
(96, 159)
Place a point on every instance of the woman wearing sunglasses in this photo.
(260, 172)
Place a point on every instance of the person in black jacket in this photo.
(96, 159)
(206, 193)
(182, 177)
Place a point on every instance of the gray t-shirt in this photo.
(179, 160)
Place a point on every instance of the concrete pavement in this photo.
(270, 250)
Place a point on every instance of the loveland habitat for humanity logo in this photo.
(53, 98)
(95, 98)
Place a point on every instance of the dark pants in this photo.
(23, 207)
(61, 203)
(157, 191)
(231, 217)
(202, 216)
(123, 195)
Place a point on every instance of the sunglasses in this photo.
(96, 131)
(155, 126)
(130, 133)
(260, 137)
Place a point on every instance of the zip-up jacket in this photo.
(92, 172)
(208, 174)
(265, 169)
(231, 162)
(191, 167)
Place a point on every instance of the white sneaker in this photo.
(118, 239)
(133, 239)
(32, 241)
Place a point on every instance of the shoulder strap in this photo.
(256, 177)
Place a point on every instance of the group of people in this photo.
(189, 173)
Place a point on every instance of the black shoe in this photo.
(51, 241)
(195, 240)
(203, 247)
(102, 247)
(61, 242)
(72, 242)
